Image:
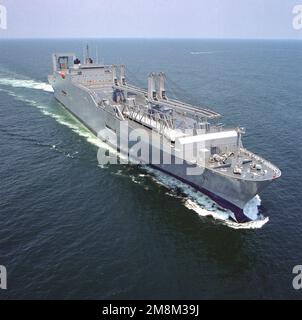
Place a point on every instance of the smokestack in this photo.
(162, 86)
(152, 87)
(123, 75)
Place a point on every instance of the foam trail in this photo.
(77, 127)
(65, 119)
(29, 84)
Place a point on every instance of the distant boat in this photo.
(201, 52)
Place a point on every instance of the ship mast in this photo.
(87, 54)
(240, 132)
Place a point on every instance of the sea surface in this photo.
(71, 229)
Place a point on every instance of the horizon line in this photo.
(147, 38)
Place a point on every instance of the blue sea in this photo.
(71, 229)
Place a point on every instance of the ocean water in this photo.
(72, 229)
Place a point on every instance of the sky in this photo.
(150, 19)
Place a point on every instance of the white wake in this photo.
(29, 84)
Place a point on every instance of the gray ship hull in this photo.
(228, 192)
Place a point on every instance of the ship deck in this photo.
(247, 159)
(175, 104)
(101, 89)
(101, 92)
